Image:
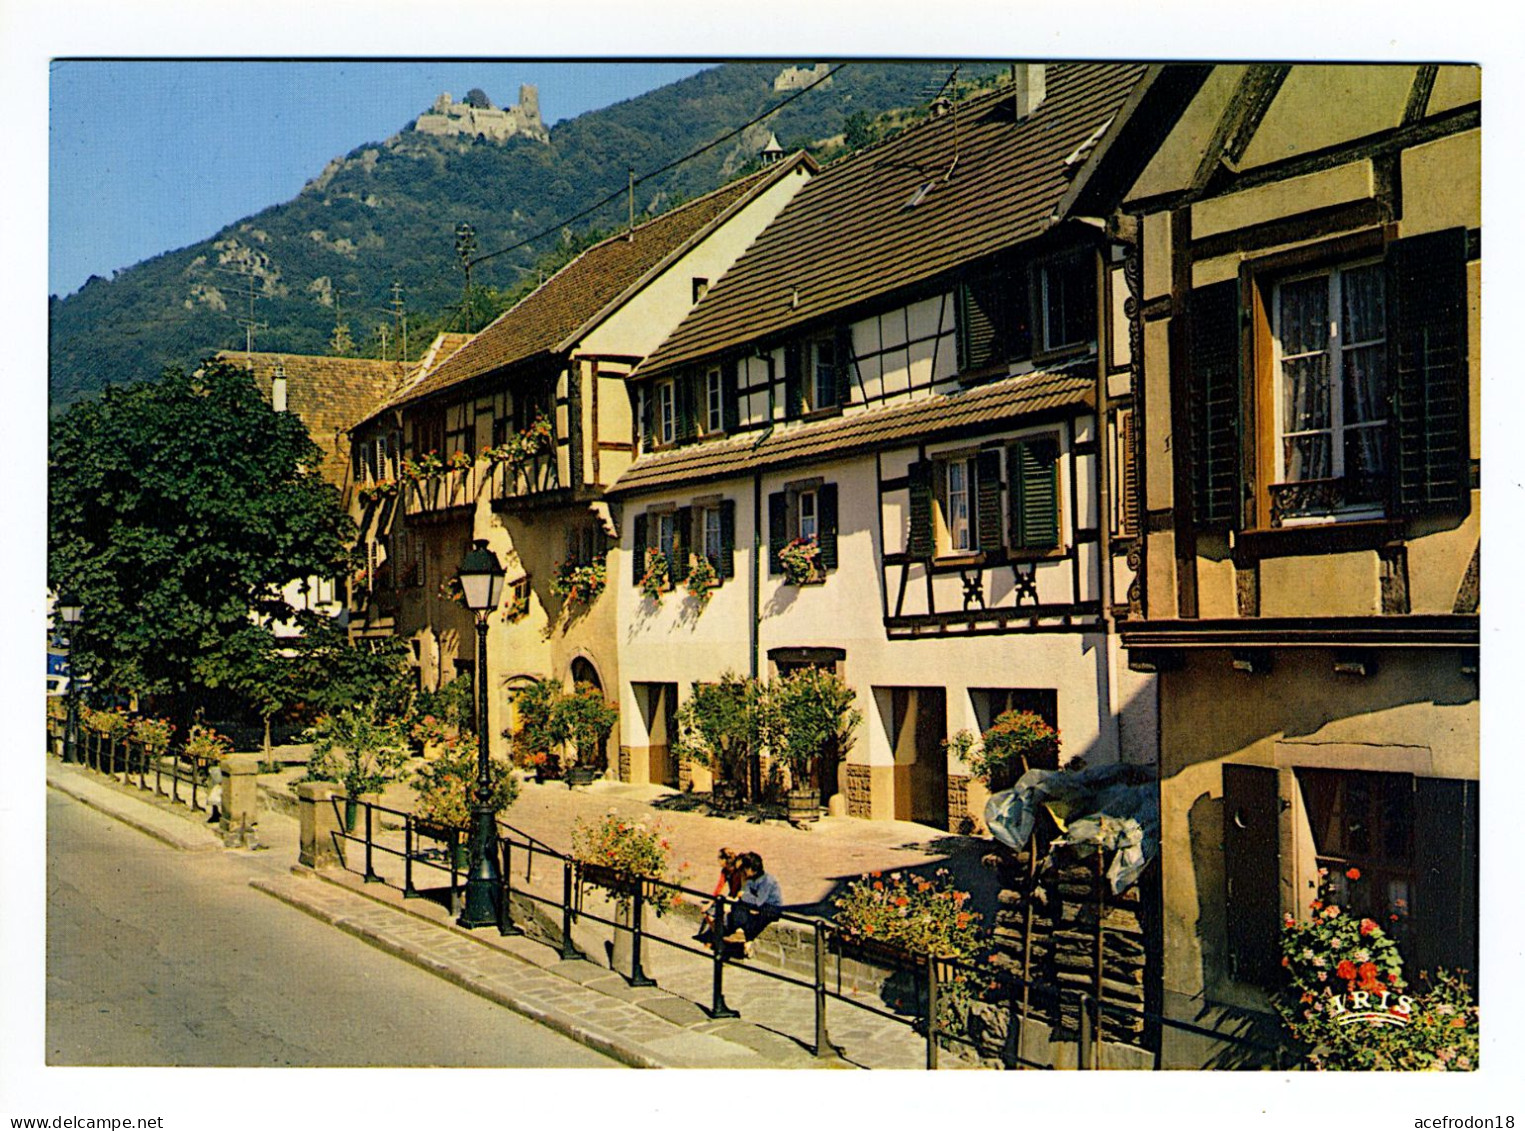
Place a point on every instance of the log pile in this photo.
(1062, 926)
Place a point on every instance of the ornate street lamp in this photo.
(70, 611)
(481, 577)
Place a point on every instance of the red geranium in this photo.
(1368, 926)
(1352, 873)
(1346, 969)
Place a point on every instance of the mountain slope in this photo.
(388, 211)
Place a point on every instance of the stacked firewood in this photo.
(1061, 927)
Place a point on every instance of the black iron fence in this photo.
(944, 989)
(170, 772)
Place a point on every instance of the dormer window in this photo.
(816, 373)
(714, 400)
(666, 418)
(823, 374)
(1066, 303)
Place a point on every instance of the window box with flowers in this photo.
(445, 792)
(702, 580)
(580, 584)
(800, 560)
(657, 579)
(377, 491)
(461, 461)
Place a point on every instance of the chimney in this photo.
(278, 387)
(1030, 88)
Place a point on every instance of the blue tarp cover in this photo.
(1097, 809)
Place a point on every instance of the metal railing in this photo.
(939, 980)
(170, 773)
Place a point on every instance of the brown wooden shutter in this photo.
(687, 423)
(794, 381)
(1213, 392)
(988, 500)
(638, 549)
(826, 514)
(1128, 481)
(1442, 932)
(921, 543)
(730, 406)
(1427, 348)
(778, 534)
(726, 567)
(1252, 873)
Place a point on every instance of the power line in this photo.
(671, 165)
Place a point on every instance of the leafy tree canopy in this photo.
(176, 512)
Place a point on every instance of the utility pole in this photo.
(630, 194)
(400, 317)
(247, 291)
(465, 248)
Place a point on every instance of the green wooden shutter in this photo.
(726, 567)
(730, 406)
(1252, 873)
(976, 326)
(1034, 490)
(844, 359)
(1442, 931)
(1427, 348)
(988, 500)
(794, 381)
(682, 543)
(638, 549)
(778, 532)
(826, 514)
(687, 423)
(920, 543)
(1212, 383)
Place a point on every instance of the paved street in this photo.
(157, 957)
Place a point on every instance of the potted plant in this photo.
(814, 712)
(359, 747)
(720, 726)
(1347, 1005)
(801, 561)
(534, 742)
(658, 576)
(460, 461)
(152, 735)
(584, 719)
(445, 792)
(617, 854)
(702, 579)
(1013, 744)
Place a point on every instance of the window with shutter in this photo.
(665, 414)
(993, 321)
(1066, 293)
(1128, 484)
(1213, 392)
(794, 381)
(688, 410)
(730, 406)
(988, 500)
(1033, 466)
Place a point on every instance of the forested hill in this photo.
(387, 213)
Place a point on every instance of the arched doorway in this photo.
(583, 672)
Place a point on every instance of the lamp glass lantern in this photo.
(69, 608)
(481, 576)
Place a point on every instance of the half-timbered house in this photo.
(915, 376)
(513, 438)
(1305, 275)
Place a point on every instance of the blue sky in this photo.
(145, 157)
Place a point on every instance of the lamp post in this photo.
(70, 610)
(481, 577)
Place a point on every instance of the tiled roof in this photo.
(545, 318)
(999, 402)
(441, 350)
(851, 233)
(328, 394)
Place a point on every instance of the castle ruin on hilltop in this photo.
(478, 117)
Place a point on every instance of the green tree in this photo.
(176, 512)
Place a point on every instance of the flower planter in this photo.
(727, 796)
(453, 839)
(580, 775)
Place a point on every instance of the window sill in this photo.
(1315, 538)
(821, 413)
(964, 560)
(1058, 552)
(1063, 353)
